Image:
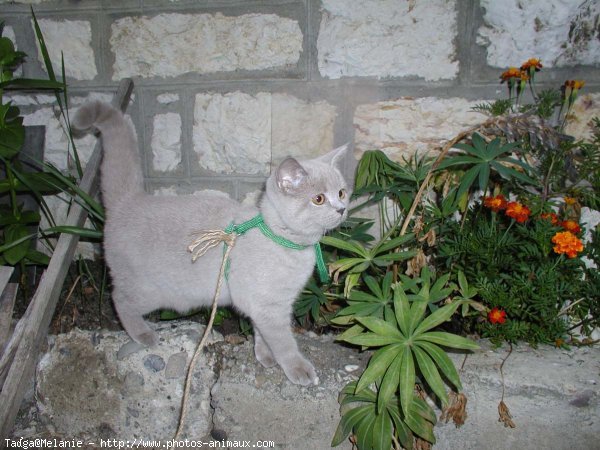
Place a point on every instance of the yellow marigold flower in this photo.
(567, 243)
(534, 63)
(570, 200)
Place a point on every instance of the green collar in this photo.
(258, 222)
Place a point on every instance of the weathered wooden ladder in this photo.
(21, 352)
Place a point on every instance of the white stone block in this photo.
(232, 132)
(409, 125)
(166, 142)
(74, 39)
(169, 45)
(242, 133)
(301, 129)
(388, 38)
(559, 32)
(167, 98)
(580, 123)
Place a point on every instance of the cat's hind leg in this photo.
(133, 322)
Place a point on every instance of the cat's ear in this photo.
(290, 175)
(342, 158)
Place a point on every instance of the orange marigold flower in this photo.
(571, 225)
(570, 200)
(574, 84)
(497, 316)
(518, 211)
(551, 217)
(512, 72)
(532, 63)
(495, 203)
(567, 243)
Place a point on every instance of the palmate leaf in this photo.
(364, 432)
(348, 421)
(373, 340)
(443, 362)
(430, 373)
(407, 381)
(380, 327)
(382, 431)
(378, 365)
(390, 381)
(436, 318)
(448, 340)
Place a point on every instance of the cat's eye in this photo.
(342, 194)
(318, 199)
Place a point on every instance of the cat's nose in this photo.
(341, 211)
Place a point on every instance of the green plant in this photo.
(519, 268)
(16, 239)
(407, 348)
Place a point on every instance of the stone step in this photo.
(99, 385)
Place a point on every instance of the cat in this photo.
(146, 239)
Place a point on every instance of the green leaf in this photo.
(382, 432)
(373, 340)
(393, 243)
(396, 256)
(364, 431)
(467, 180)
(349, 246)
(373, 285)
(378, 364)
(407, 380)
(420, 426)
(78, 231)
(431, 374)
(417, 311)
(36, 257)
(349, 421)
(439, 316)
(422, 408)
(443, 361)
(389, 384)
(18, 238)
(402, 309)
(380, 327)
(405, 436)
(448, 340)
(31, 83)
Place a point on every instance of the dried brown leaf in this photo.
(505, 416)
(456, 409)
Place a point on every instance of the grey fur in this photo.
(146, 239)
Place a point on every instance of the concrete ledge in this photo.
(97, 385)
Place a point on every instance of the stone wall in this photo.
(227, 88)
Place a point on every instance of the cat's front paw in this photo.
(300, 371)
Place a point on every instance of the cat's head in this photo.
(312, 196)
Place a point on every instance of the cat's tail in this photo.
(121, 169)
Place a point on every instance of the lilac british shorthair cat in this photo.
(146, 239)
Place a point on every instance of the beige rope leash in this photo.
(206, 240)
